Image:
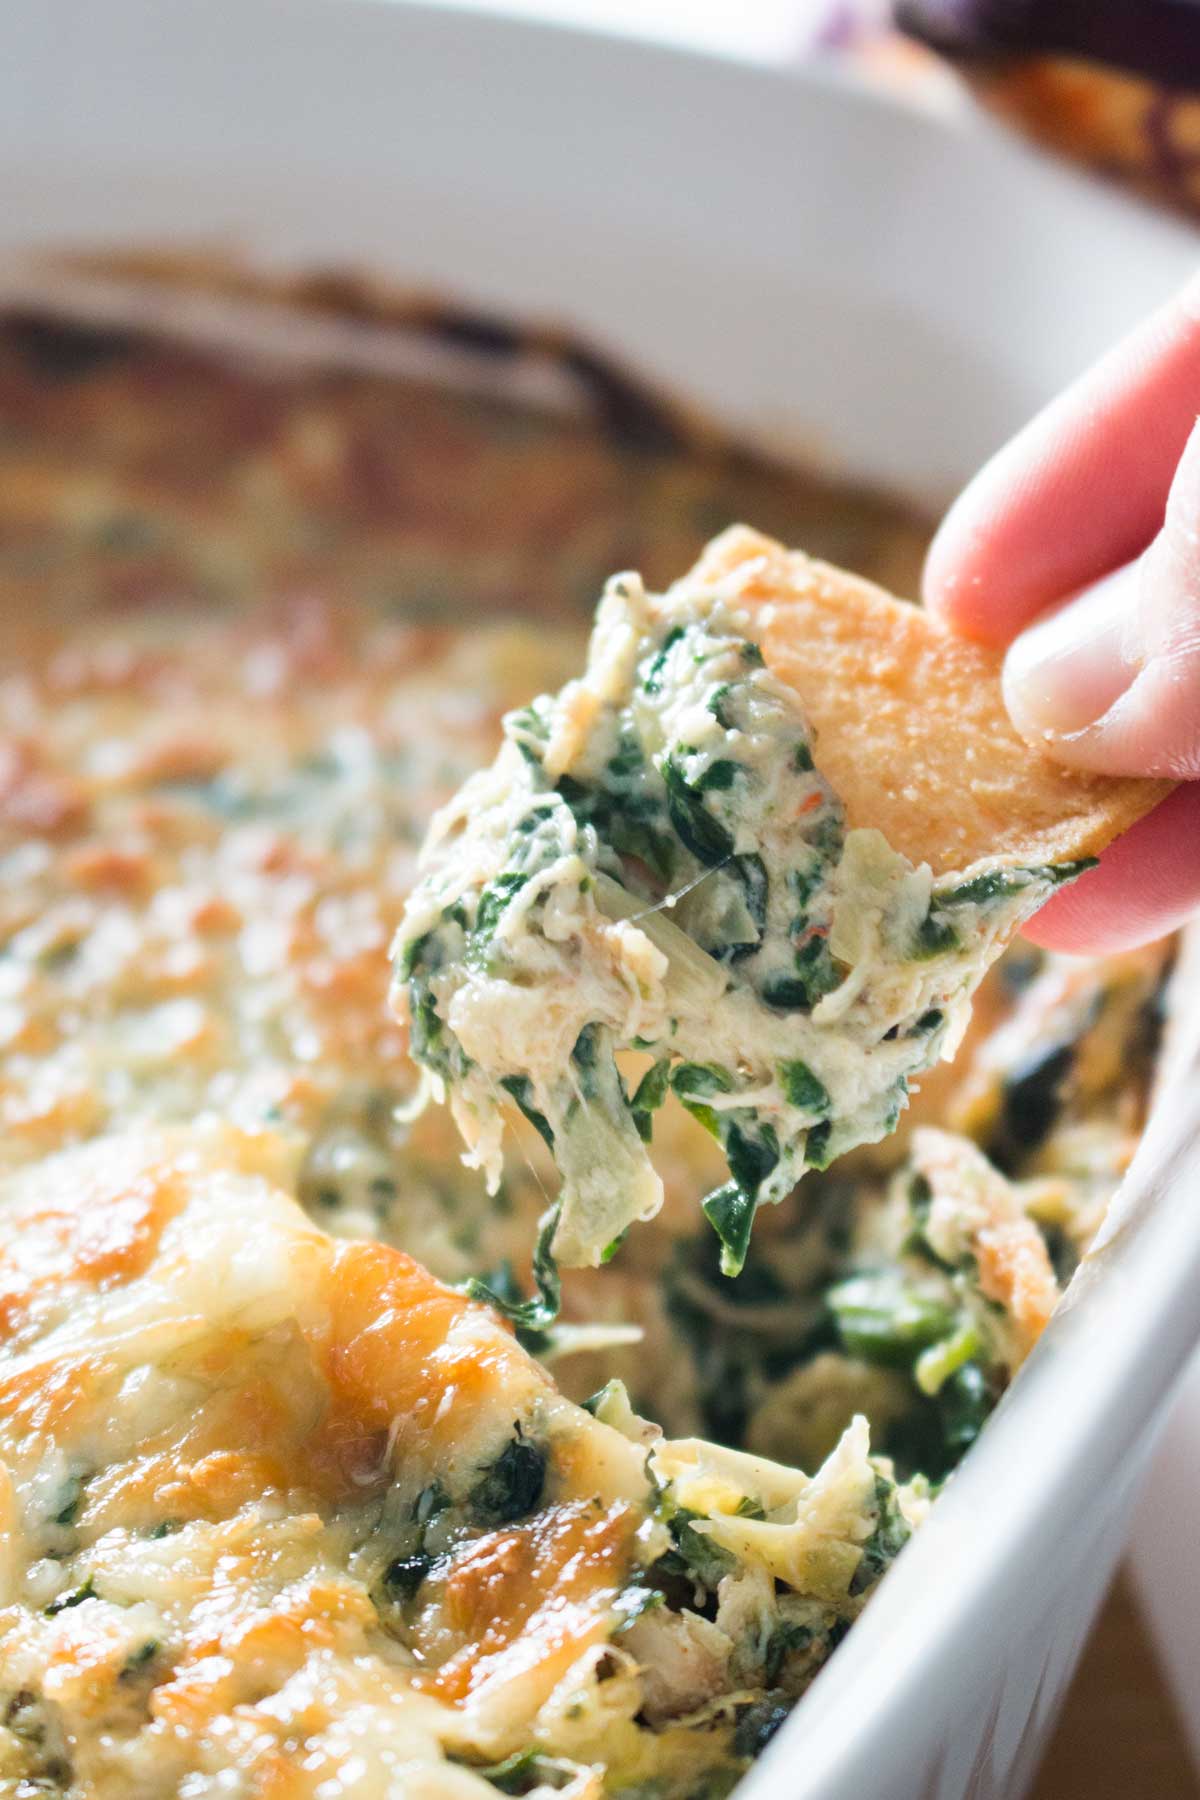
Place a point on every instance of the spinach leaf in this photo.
(585, 1056)
(541, 1311)
(816, 974)
(751, 1151)
(1035, 1091)
(515, 1775)
(404, 1575)
(501, 1282)
(883, 1319)
(817, 1154)
(783, 1641)
(426, 1032)
(70, 1498)
(520, 1088)
(139, 1660)
(934, 936)
(526, 1772)
(889, 1535)
(718, 705)
(412, 955)
(695, 1557)
(719, 776)
(704, 836)
(628, 817)
(512, 1487)
(529, 729)
(964, 1404)
(730, 1211)
(649, 1095)
(995, 884)
(493, 901)
(928, 1021)
(690, 1080)
(750, 872)
(801, 1087)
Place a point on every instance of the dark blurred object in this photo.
(1113, 83)
(1156, 38)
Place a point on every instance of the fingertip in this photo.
(963, 583)
(1079, 491)
(1146, 885)
(941, 579)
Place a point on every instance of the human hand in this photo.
(1078, 548)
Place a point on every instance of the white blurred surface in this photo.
(755, 30)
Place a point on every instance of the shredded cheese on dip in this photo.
(285, 1515)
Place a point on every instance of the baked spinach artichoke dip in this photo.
(656, 862)
(547, 1442)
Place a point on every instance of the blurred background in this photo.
(1114, 84)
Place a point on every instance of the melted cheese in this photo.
(258, 1398)
(264, 1487)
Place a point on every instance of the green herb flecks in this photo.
(76, 1597)
(652, 680)
(137, 1663)
(529, 729)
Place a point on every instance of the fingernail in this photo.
(1068, 670)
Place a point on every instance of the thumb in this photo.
(1111, 680)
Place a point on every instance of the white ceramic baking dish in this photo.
(820, 267)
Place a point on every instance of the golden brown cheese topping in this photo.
(255, 1473)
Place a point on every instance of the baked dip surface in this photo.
(286, 1514)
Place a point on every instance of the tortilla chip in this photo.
(908, 721)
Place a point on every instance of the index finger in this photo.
(1079, 491)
